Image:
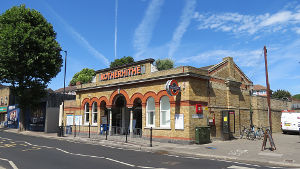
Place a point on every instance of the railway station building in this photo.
(136, 97)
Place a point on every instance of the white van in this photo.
(290, 121)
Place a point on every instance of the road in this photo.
(29, 152)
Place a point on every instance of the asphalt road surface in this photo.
(29, 152)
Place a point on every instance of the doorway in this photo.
(137, 117)
(120, 115)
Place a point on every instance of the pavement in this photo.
(287, 153)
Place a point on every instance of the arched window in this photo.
(87, 114)
(94, 114)
(165, 112)
(150, 112)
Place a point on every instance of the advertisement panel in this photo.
(13, 118)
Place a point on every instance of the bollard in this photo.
(151, 137)
(75, 130)
(126, 137)
(89, 130)
(106, 134)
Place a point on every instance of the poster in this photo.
(78, 120)
(69, 120)
(13, 118)
(179, 121)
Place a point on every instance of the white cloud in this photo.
(249, 24)
(245, 58)
(143, 32)
(185, 20)
(80, 38)
(278, 18)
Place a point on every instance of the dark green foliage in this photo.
(279, 94)
(297, 96)
(84, 76)
(119, 62)
(164, 64)
(29, 54)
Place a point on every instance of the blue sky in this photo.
(191, 32)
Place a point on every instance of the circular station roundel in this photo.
(172, 87)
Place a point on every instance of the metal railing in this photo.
(120, 134)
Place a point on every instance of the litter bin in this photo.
(60, 131)
(202, 135)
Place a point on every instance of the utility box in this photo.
(202, 135)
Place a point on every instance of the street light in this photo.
(64, 83)
(63, 108)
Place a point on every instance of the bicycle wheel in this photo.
(251, 135)
(259, 133)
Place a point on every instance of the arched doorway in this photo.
(137, 116)
(120, 115)
(104, 116)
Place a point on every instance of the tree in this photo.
(279, 94)
(297, 96)
(119, 62)
(29, 55)
(84, 76)
(164, 64)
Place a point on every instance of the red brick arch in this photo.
(84, 101)
(103, 98)
(162, 93)
(149, 94)
(135, 96)
(115, 93)
(95, 99)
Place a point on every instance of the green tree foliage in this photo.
(297, 96)
(29, 54)
(84, 76)
(279, 94)
(164, 64)
(119, 62)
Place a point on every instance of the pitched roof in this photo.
(207, 67)
(259, 87)
(67, 89)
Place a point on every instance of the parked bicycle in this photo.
(259, 133)
(245, 132)
(252, 133)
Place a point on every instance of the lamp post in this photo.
(63, 109)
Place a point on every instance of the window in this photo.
(150, 111)
(94, 114)
(1, 100)
(87, 114)
(164, 112)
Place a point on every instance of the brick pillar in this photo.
(110, 121)
(131, 121)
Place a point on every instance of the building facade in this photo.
(6, 99)
(137, 97)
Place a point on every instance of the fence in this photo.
(115, 133)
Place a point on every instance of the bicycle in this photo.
(245, 132)
(259, 133)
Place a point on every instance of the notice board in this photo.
(179, 121)
(69, 120)
(78, 120)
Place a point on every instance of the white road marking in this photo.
(12, 164)
(239, 167)
(131, 165)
